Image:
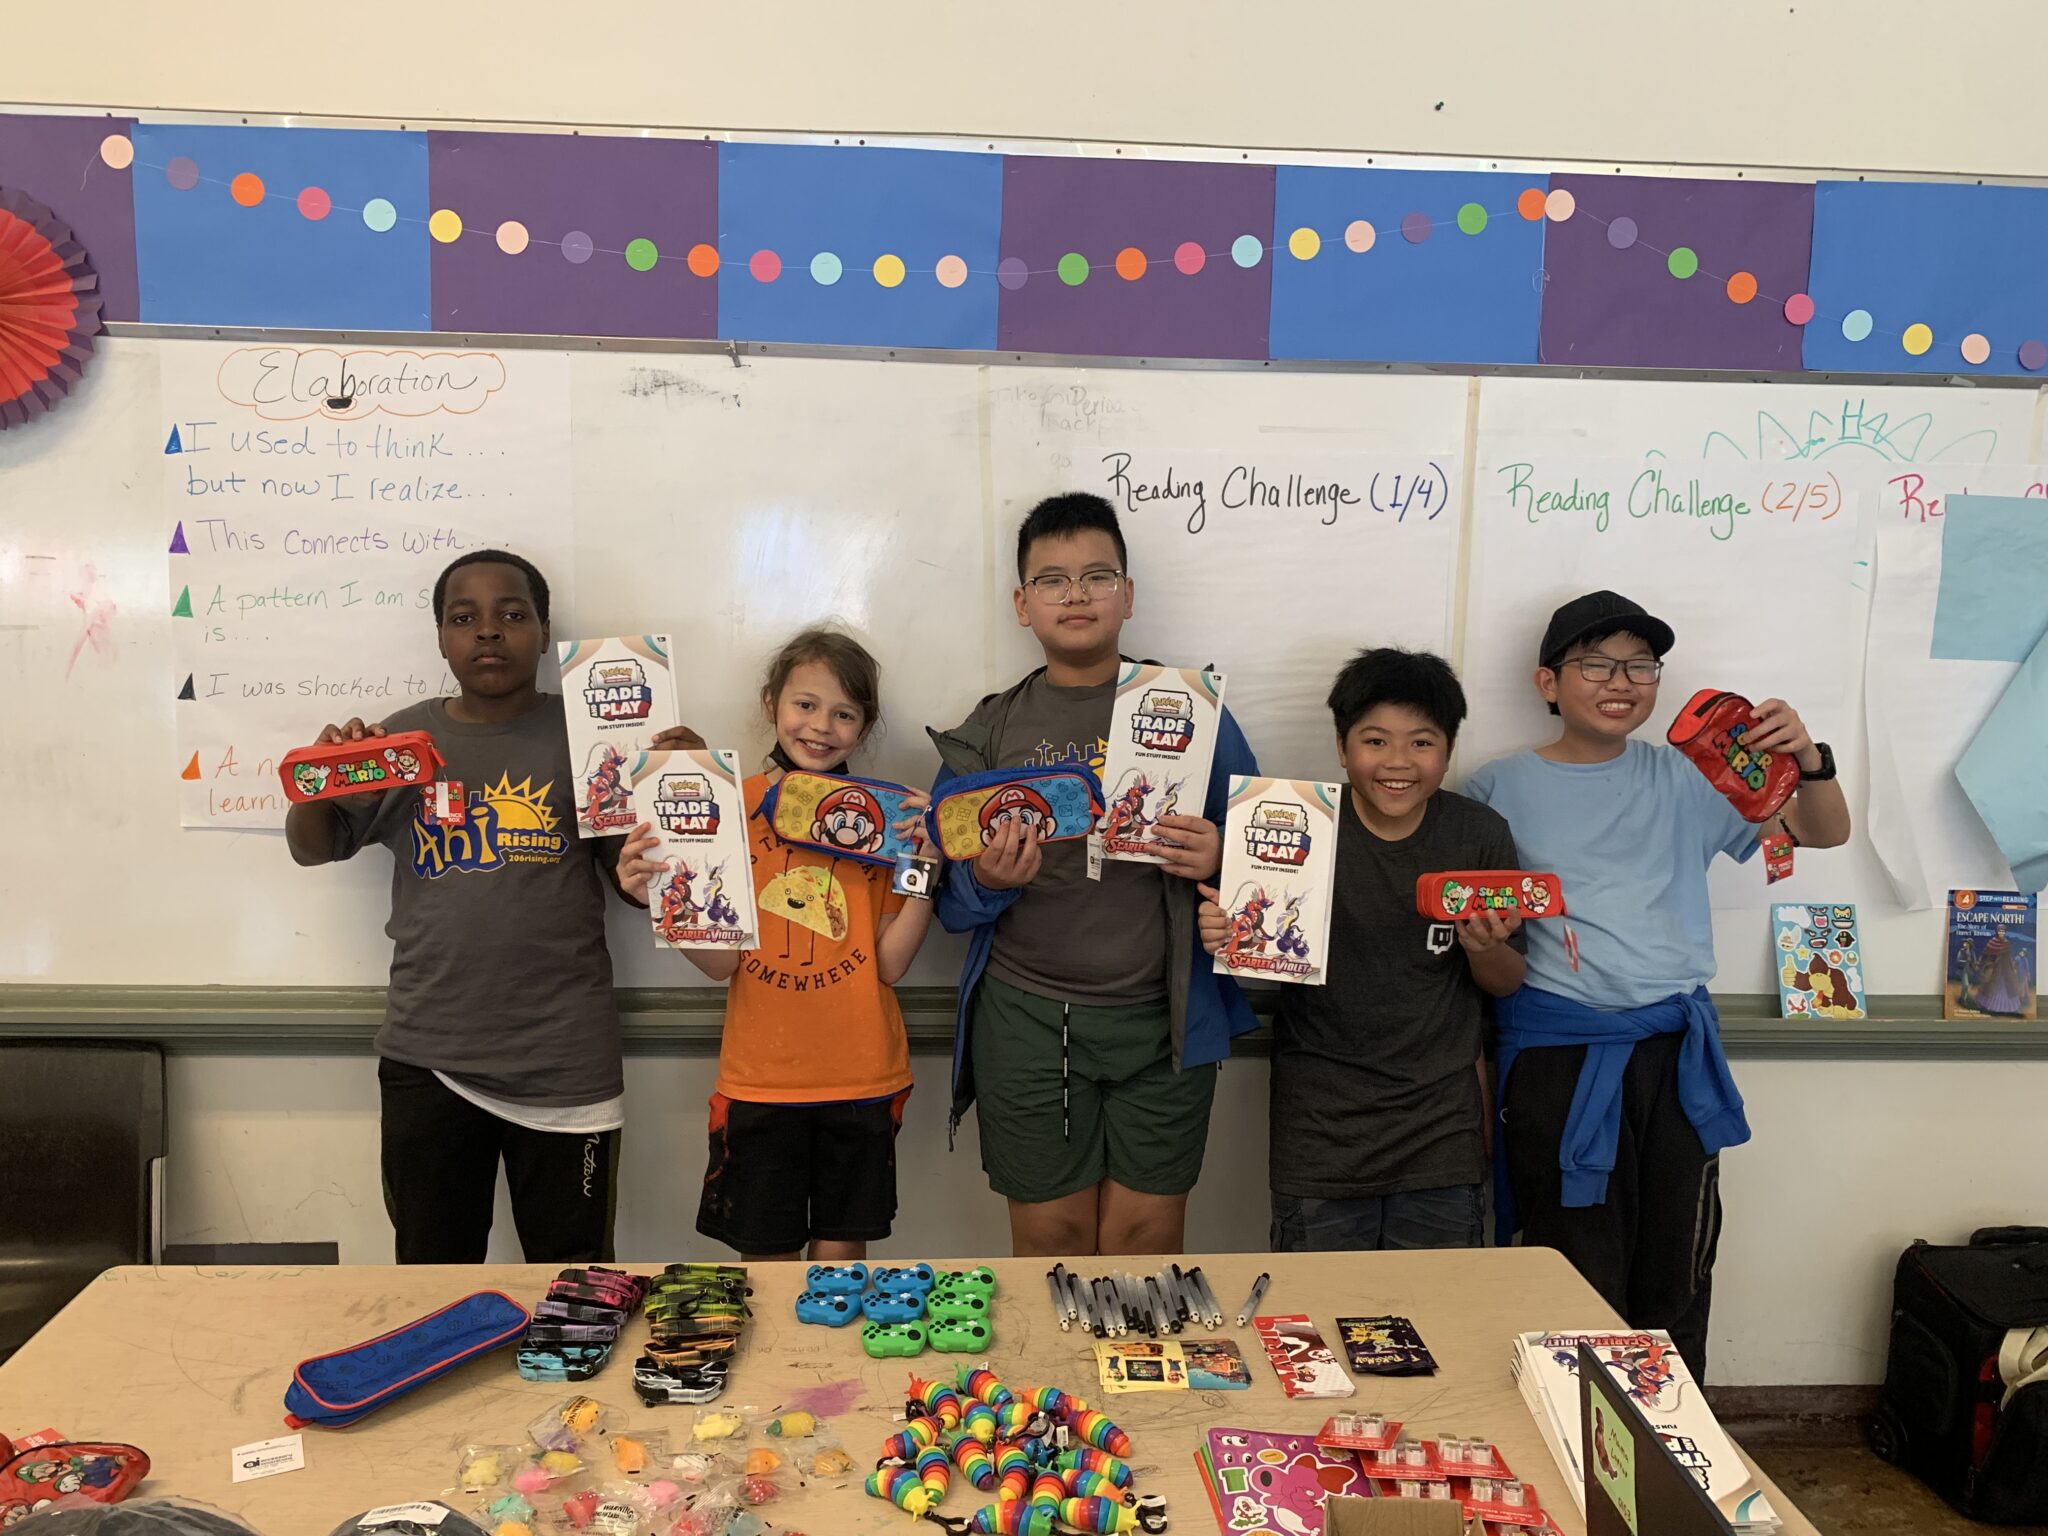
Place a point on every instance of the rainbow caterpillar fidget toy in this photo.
(1452, 894)
(1056, 803)
(1062, 1471)
(1709, 730)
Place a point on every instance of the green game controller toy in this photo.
(961, 1338)
(973, 1282)
(886, 1340)
(957, 1307)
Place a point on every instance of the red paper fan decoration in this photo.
(49, 308)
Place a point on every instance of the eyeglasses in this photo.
(1601, 669)
(1094, 586)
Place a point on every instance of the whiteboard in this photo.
(728, 505)
(1277, 523)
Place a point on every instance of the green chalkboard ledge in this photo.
(684, 1021)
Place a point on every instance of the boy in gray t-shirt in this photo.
(1090, 1023)
(1378, 1123)
(501, 1034)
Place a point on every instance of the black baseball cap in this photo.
(1606, 613)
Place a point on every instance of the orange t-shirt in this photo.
(808, 1018)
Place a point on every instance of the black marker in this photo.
(1258, 1290)
(1059, 1300)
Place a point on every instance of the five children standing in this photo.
(1091, 1020)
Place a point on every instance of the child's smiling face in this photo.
(1395, 757)
(1606, 709)
(816, 724)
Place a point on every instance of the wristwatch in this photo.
(1825, 771)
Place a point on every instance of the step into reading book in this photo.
(1990, 954)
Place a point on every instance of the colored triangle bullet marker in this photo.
(178, 542)
(183, 607)
(186, 691)
(191, 768)
(174, 446)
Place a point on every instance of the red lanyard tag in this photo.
(445, 806)
(1777, 857)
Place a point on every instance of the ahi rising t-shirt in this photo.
(1375, 1088)
(499, 972)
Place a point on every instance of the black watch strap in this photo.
(1825, 771)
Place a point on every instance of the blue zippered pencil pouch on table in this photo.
(339, 1388)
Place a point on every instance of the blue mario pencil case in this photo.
(834, 813)
(1060, 803)
(339, 1388)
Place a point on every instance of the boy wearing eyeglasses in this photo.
(1090, 1020)
(1615, 1095)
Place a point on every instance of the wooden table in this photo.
(189, 1363)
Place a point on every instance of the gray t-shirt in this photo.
(1374, 1090)
(499, 972)
(1067, 937)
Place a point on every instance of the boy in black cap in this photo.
(1615, 1094)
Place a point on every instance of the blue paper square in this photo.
(1958, 259)
(204, 259)
(856, 206)
(1992, 604)
(2000, 771)
(1448, 297)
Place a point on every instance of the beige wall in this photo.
(1880, 84)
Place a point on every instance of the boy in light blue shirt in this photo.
(1615, 1095)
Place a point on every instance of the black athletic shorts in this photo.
(782, 1175)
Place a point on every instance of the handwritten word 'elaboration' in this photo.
(291, 383)
(1420, 490)
(1669, 493)
(1919, 501)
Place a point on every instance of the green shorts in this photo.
(1128, 1115)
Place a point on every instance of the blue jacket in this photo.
(1585, 1156)
(1207, 1010)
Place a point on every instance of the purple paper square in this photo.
(582, 199)
(1611, 299)
(1095, 209)
(56, 161)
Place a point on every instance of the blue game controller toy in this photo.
(847, 1279)
(835, 1309)
(911, 1277)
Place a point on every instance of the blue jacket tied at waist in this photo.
(1585, 1156)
